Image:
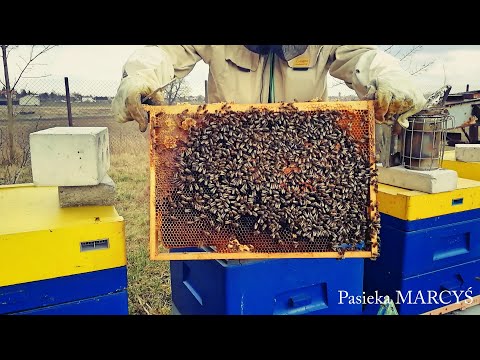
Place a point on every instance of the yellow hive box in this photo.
(39, 240)
(467, 170)
(415, 205)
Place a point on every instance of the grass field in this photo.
(148, 281)
(57, 110)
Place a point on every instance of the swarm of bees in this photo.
(296, 176)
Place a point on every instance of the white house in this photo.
(88, 99)
(30, 100)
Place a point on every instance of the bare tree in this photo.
(176, 90)
(35, 52)
(407, 57)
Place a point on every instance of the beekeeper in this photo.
(270, 73)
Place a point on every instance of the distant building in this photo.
(343, 98)
(102, 99)
(29, 100)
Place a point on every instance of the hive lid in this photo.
(26, 207)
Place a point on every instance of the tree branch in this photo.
(178, 87)
(32, 58)
(412, 51)
(36, 77)
(387, 50)
(10, 48)
(397, 53)
(422, 68)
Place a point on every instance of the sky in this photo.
(96, 69)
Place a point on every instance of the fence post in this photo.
(206, 91)
(69, 105)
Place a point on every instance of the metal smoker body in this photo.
(421, 145)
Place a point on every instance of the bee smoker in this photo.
(423, 142)
(421, 145)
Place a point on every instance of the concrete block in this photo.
(69, 156)
(432, 182)
(467, 152)
(102, 194)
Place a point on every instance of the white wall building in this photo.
(30, 100)
(88, 99)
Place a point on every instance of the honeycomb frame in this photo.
(166, 133)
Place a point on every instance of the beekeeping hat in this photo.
(285, 52)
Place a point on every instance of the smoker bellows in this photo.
(273, 179)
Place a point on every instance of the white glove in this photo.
(392, 88)
(126, 105)
(396, 95)
(144, 72)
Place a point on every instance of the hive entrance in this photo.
(282, 180)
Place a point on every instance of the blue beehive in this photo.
(427, 262)
(102, 292)
(266, 287)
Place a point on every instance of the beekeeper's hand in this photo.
(376, 75)
(127, 106)
(397, 96)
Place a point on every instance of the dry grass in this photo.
(57, 110)
(148, 281)
(17, 171)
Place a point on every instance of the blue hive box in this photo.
(102, 292)
(430, 248)
(267, 287)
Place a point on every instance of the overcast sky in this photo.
(96, 69)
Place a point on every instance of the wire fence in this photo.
(44, 103)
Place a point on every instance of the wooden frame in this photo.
(462, 305)
(154, 240)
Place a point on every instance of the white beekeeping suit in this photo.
(270, 73)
